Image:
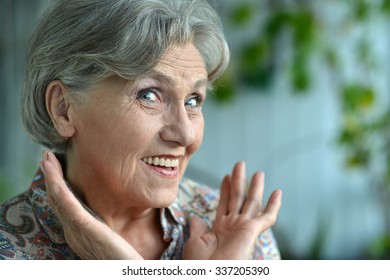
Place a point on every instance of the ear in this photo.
(58, 107)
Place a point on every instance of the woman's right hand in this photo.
(239, 220)
(88, 237)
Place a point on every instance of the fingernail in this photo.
(50, 155)
(41, 165)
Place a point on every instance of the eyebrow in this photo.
(161, 77)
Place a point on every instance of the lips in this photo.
(164, 166)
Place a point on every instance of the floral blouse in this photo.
(29, 229)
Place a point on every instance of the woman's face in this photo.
(134, 139)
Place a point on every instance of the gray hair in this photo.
(81, 42)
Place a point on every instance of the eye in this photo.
(194, 101)
(148, 95)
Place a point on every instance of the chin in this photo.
(164, 200)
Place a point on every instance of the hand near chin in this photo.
(239, 220)
(88, 237)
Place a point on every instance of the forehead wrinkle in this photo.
(163, 78)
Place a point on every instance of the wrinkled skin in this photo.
(112, 134)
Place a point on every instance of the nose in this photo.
(178, 127)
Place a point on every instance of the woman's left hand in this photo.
(239, 219)
(88, 237)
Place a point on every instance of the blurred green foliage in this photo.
(364, 130)
(5, 188)
(386, 6)
(11, 186)
(256, 62)
(380, 249)
(242, 14)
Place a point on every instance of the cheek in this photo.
(102, 138)
(198, 130)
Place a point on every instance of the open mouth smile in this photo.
(163, 162)
(166, 167)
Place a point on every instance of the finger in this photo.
(65, 204)
(52, 158)
(49, 156)
(53, 178)
(237, 188)
(200, 231)
(202, 243)
(252, 205)
(198, 227)
(224, 197)
(269, 215)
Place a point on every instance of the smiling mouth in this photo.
(162, 162)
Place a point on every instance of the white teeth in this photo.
(165, 162)
(161, 162)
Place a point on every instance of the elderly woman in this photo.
(114, 89)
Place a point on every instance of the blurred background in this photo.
(305, 99)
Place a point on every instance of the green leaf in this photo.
(223, 93)
(255, 54)
(224, 90)
(358, 159)
(276, 23)
(255, 67)
(347, 137)
(385, 6)
(242, 14)
(304, 27)
(259, 77)
(300, 76)
(361, 10)
(300, 79)
(357, 97)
